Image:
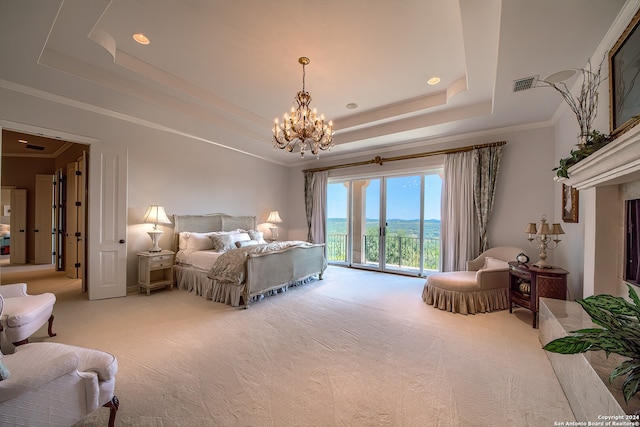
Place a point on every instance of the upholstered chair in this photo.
(483, 287)
(24, 314)
(51, 384)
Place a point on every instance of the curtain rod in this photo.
(380, 160)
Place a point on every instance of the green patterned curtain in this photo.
(308, 202)
(486, 162)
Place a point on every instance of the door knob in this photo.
(121, 241)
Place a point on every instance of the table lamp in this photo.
(155, 215)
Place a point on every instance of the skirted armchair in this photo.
(482, 288)
(51, 384)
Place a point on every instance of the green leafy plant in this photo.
(620, 334)
(592, 143)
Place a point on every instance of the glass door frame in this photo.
(382, 224)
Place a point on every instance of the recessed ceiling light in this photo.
(141, 38)
(433, 81)
(22, 141)
(352, 106)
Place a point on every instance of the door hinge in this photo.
(77, 265)
(78, 173)
(78, 234)
(78, 203)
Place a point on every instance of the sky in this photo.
(403, 198)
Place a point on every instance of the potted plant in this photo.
(619, 333)
(593, 142)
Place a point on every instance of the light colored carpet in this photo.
(356, 349)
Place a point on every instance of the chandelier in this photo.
(303, 127)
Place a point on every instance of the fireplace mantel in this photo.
(615, 163)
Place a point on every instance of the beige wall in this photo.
(185, 175)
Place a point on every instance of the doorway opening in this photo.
(44, 187)
(385, 223)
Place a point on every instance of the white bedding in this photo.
(202, 260)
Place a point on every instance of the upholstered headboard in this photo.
(210, 222)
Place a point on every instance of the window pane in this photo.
(402, 238)
(337, 230)
(432, 195)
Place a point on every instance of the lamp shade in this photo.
(556, 229)
(156, 215)
(544, 229)
(531, 228)
(274, 217)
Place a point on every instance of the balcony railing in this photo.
(401, 252)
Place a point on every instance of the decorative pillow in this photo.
(182, 240)
(199, 242)
(239, 237)
(257, 235)
(493, 263)
(243, 243)
(224, 233)
(222, 242)
(4, 372)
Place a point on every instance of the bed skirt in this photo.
(466, 302)
(196, 281)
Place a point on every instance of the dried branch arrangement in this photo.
(585, 104)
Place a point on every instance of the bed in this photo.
(224, 258)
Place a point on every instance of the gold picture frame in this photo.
(624, 82)
(569, 204)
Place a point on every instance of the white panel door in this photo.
(18, 246)
(107, 220)
(71, 262)
(44, 227)
(82, 219)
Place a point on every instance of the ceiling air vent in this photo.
(524, 84)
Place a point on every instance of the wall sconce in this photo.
(155, 215)
(543, 237)
(273, 219)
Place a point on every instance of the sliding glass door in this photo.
(402, 230)
(379, 222)
(366, 223)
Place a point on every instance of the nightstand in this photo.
(528, 283)
(155, 270)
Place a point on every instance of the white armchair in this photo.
(53, 384)
(482, 288)
(24, 314)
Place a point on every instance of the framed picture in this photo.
(569, 204)
(624, 80)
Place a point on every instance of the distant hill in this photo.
(405, 227)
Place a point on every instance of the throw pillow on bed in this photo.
(243, 243)
(222, 242)
(199, 242)
(257, 235)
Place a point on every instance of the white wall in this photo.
(186, 176)
(570, 255)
